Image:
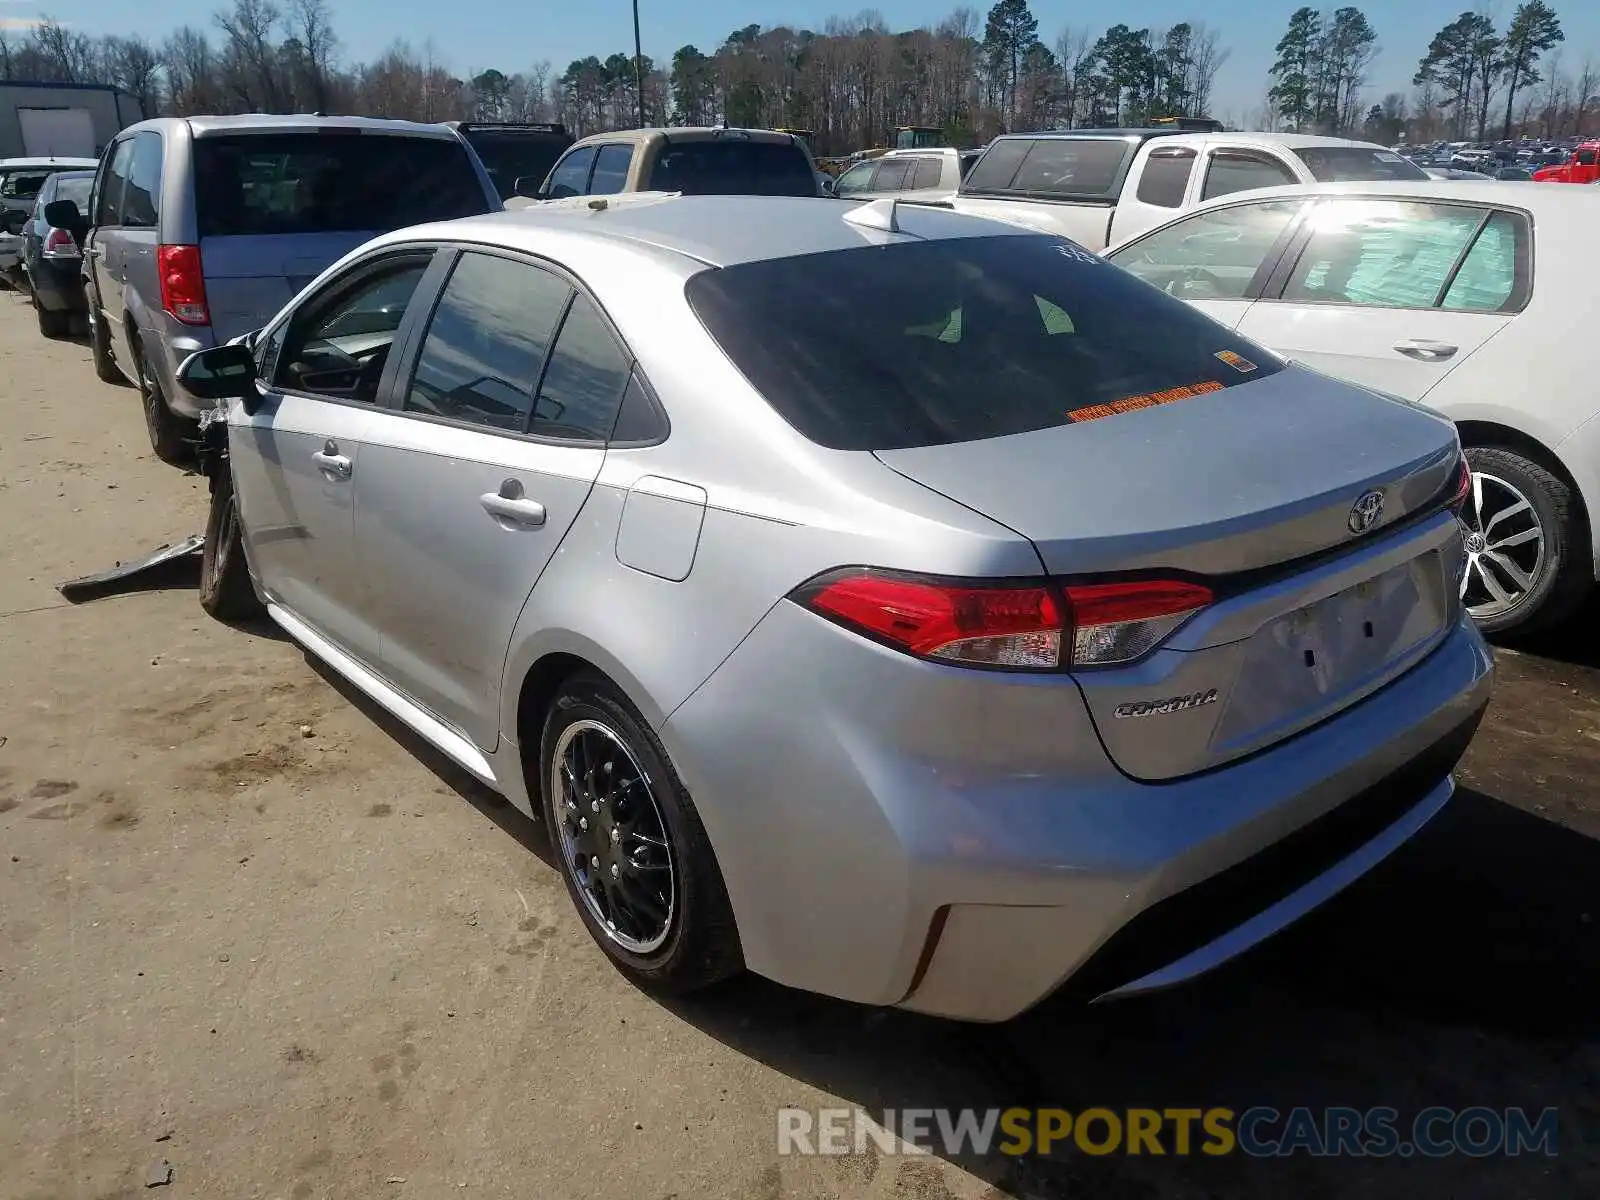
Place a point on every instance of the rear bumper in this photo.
(166, 351)
(966, 849)
(58, 285)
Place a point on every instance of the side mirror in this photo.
(528, 187)
(64, 214)
(221, 373)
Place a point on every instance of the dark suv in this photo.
(202, 228)
(511, 151)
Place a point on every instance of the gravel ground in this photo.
(251, 929)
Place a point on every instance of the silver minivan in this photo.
(202, 228)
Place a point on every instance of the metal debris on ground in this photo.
(159, 1174)
(90, 586)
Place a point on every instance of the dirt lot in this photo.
(249, 927)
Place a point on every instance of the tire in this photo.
(170, 434)
(1545, 574)
(52, 324)
(696, 944)
(226, 591)
(105, 367)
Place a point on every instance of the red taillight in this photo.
(58, 243)
(1022, 626)
(1463, 487)
(183, 285)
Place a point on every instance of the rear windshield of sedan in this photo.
(330, 183)
(1355, 164)
(733, 167)
(952, 340)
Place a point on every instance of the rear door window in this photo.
(1241, 170)
(486, 344)
(948, 340)
(285, 183)
(927, 174)
(110, 207)
(610, 170)
(1488, 278)
(583, 384)
(141, 197)
(1384, 253)
(733, 167)
(1166, 177)
(892, 175)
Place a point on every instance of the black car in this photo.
(53, 260)
(514, 150)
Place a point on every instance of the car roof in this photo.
(296, 123)
(23, 164)
(718, 231)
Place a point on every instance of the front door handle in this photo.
(331, 462)
(511, 504)
(1427, 351)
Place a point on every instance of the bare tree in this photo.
(251, 55)
(1207, 56)
(1584, 98)
(311, 25)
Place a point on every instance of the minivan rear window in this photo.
(957, 339)
(733, 167)
(280, 183)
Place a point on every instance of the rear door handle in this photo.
(511, 504)
(331, 462)
(1427, 351)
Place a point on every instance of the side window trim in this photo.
(1455, 267)
(414, 329)
(356, 276)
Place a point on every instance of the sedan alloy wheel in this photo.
(1505, 547)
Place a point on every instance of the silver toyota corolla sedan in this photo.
(903, 606)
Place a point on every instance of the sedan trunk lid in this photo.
(1234, 487)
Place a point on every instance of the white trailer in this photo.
(62, 120)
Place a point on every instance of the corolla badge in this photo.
(1366, 512)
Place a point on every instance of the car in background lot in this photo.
(201, 228)
(952, 714)
(20, 181)
(1445, 294)
(1581, 166)
(1099, 186)
(911, 174)
(692, 161)
(511, 150)
(52, 260)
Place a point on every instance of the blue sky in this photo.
(471, 35)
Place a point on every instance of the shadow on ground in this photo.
(1464, 971)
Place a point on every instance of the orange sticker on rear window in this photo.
(1237, 361)
(1149, 400)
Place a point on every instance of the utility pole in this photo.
(638, 64)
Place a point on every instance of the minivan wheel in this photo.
(105, 367)
(1528, 566)
(169, 433)
(226, 591)
(635, 857)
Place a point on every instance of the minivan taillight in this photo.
(1006, 624)
(183, 285)
(58, 243)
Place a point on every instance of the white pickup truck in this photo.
(1099, 186)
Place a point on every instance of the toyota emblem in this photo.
(1366, 512)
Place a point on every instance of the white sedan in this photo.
(1468, 297)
